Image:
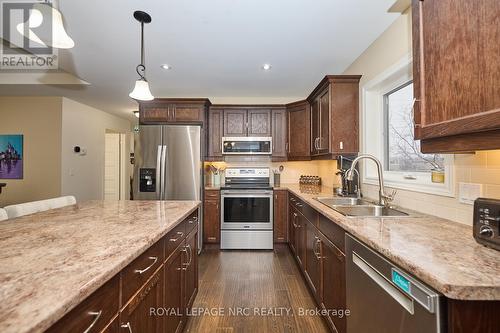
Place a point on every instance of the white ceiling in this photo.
(216, 47)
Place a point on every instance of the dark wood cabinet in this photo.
(298, 235)
(320, 124)
(191, 269)
(299, 131)
(235, 122)
(215, 134)
(259, 122)
(279, 134)
(280, 216)
(292, 229)
(211, 217)
(136, 316)
(322, 261)
(313, 259)
(333, 284)
(456, 52)
(170, 110)
(94, 313)
(473, 316)
(151, 294)
(334, 116)
(247, 121)
(174, 319)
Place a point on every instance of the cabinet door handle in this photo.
(141, 271)
(315, 246)
(415, 100)
(298, 204)
(97, 315)
(127, 325)
(179, 236)
(190, 257)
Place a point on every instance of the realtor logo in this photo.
(26, 36)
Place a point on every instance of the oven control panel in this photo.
(486, 224)
(247, 173)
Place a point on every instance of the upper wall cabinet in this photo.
(247, 122)
(214, 134)
(299, 131)
(179, 111)
(334, 116)
(456, 56)
(279, 134)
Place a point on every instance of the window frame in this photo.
(375, 135)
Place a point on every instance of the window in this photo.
(402, 152)
(387, 133)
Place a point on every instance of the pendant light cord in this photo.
(141, 68)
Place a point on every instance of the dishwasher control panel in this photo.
(486, 224)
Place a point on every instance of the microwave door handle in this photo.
(158, 172)
(163, 172)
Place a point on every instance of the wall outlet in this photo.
(468, 192)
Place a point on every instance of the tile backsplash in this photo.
(483, 167)
(292, 170)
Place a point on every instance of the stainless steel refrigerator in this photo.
(168, 164)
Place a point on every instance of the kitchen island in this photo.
(51, 262)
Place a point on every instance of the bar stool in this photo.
(27, 208)
(3, 215)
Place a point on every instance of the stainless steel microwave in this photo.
(247, 145)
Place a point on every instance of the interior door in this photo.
(112, 166)
(183, 167)
(148, 143)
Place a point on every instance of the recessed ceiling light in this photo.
(166, 66)
(266, 67)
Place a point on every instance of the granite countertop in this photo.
(439, 252)
(52, 261)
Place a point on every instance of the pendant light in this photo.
(141, 90)
(56, 37)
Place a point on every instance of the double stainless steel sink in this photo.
(359, 208)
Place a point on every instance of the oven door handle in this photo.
(247, 195)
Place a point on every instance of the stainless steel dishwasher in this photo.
(382, 298)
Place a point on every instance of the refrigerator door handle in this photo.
(158, 172)
(163, 171)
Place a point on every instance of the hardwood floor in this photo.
(252, 281)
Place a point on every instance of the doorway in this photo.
(114, 166)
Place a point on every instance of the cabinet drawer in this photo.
(140, 270)
(94, 313)
(212, 195)
(309, 213)
(174, 238)
(333, 232)
(191, 222)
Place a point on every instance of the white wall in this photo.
(84, 126)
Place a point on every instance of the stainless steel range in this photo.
(247, 210)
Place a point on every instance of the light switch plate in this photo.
(468, 192)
